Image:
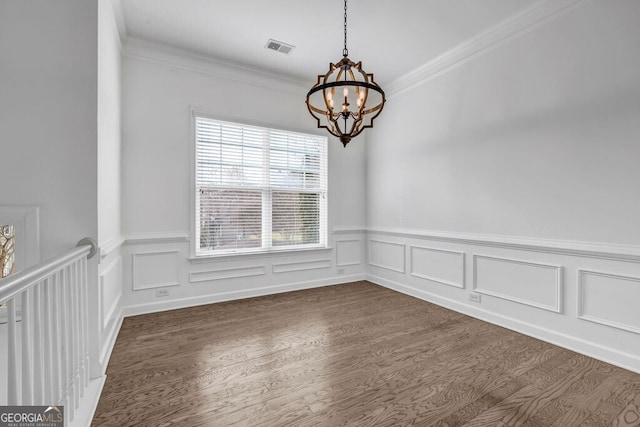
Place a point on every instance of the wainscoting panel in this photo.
(289, 267)
(155, 269)
(227, 273)
(534, 284)
(110, 291)
(600, 296)
(348, 252)
(438, 265)
(387, 255)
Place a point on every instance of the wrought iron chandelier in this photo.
(360, 99)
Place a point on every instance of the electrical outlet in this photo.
(341, 271)
(162, 293)
(474, 297)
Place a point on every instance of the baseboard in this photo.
(156, 307)
(89, 403)
(105, 353)
(623, 360)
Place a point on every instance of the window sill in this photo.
(253, 255)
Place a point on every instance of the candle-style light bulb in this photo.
(330, 99)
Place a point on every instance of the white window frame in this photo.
(193, 214)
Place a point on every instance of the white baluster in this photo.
(75, 343)
(85, 320)
(12, 356)
(48, 354)
(56, 351)
(68, 295)
(27, 355)
(48, 346)
(64, 333)
(38, 363)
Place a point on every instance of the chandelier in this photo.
(346, 99)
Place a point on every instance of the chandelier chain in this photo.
(345, 51)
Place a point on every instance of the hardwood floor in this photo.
(355, 354)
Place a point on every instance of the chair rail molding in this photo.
(606, 251)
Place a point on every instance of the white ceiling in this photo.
(391, 38)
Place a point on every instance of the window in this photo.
(258, 189)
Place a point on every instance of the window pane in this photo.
(295, 218)
(230, 219)
(239, 168)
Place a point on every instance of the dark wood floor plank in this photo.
(357, 355)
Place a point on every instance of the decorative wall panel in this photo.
(387, 255)
(155, 270)
(348, 252)
(534, 284)
(438, 265)
(301, 266)
(600, 296)
(110, 290)
(227, 273)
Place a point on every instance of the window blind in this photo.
(258, 188)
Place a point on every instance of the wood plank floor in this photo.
(355, 354)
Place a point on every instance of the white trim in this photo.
(612, 252)
(155, 307)
(531, 18)
(118, 14)
(581, 295)
(88, 403)
(461, 285)
(156, 285)
(386, 267)
(193, 229)
(624, 360)
(156, 238)
(190, 61)
(106, 317)
(108, 345)
(257, 255)
(558, 269)
(111, 245)
(227, 273)
(290, 267)
(359, 229)
(346, 264)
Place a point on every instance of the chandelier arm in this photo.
(347, 83)
(371, 110)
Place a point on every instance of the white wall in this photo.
(60, 133)
(535, 137)
(48, 116)
(109, 128)
(49, 131)
(109, 290)
(160, 87)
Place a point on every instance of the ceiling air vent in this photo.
(279, 46)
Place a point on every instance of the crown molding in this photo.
(118, 14)
(190, 61)
(534, 16)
